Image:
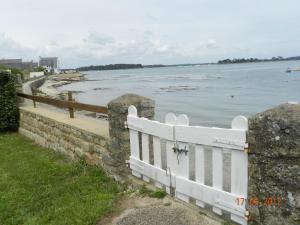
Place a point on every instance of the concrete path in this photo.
(27, 90)
(96, 126)
(137, 210)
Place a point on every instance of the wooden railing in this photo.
(69, 104)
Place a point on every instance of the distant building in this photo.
(18, 64)
(49, 62)
(36, 74)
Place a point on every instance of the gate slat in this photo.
(135, 150)
(157, 156)
(199, 169)
(239, 181)
(171, 161)
(134, 140)
(182, 160)
(145, 152)
(239, 169)
(217, 173)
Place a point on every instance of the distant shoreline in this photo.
(255, 60)
(220, 62)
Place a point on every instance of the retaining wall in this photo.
(77, 138)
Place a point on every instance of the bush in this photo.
(9, 111)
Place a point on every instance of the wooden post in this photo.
(71, 110)
(33, 93)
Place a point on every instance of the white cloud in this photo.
(12, 49)
(99, 39)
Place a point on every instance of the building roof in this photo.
(10, 60)
(43, 58)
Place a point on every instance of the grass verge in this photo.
(144, 191)
(39, 186)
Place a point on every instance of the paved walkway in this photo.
(96, 126)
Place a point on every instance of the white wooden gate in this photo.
(178, 137)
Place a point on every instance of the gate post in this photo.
(274, 166)
(119, 147)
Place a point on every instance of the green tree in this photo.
(9, 111)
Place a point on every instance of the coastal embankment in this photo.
(49, 87)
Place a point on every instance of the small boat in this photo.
(289, 70)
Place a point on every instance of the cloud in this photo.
(98, 48)
(12, 49)
(102, 49)
(99, 39)
(211, 43)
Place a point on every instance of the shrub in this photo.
(9, 111)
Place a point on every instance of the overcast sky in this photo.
(86, 32)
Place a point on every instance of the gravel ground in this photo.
(137, 210)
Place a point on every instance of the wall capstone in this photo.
(274, 166)
(119, 147)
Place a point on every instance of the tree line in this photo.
(110, 67)
(249, 60)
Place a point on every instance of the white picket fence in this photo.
(178, 137)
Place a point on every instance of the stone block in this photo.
(117, 115)
(274, 164)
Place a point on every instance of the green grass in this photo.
(144, 191)
(39, 186)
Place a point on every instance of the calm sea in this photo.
(210, 94)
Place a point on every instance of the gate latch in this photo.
(179, 151)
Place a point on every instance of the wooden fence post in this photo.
(33, 93)
(70, 99)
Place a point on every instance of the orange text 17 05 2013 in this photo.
(268, 201)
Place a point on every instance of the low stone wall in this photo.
(50, 131)
(37, 83)
(98, 142)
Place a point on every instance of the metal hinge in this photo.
(126, 124)
(246, 148)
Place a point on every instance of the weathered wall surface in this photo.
(274, 166)
(77, 138)
(119, 135)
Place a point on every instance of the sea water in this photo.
(211, 95)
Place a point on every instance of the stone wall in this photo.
(36, 83)
(274, 166)
(70, 140)
(119, 147)
(97, 141)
